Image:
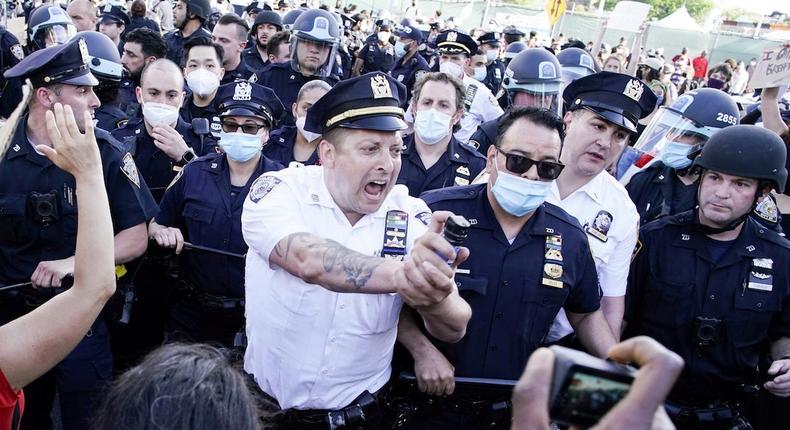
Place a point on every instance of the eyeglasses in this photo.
(232, 127)
(519, 164)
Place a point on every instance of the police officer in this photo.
(142, 47)
(455, 49)
(231, 33)
(293, 144)
(495, 68)
(512, 50)
(576, 63)
(533, 78)
(160, 141)
(112, 23)
(105, 65)
(512, 35)
(410, 64)
(668, 186)
(11, 53)
(39, 225)
(189, 16)
(313, 46)
(202, 72)
(378, 52)
(527, 259)
(605, 108)
(290, 18)
(203, 207)
(265, 25)
(711, 284)
(432, 157)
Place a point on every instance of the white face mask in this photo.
(202, 82)
(308, 135)
(158, 114)
(451, 69)
(491, 55)
(384, 36)
(431, 126)
(480, 73)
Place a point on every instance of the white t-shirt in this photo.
(308, 347)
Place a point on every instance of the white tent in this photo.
(679, 20)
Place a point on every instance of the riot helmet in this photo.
(50, 25)
(512, 50)
(201, 8)
(290, 18)
(576, 63)
(533, 78)
(103, 57)
(314, 43)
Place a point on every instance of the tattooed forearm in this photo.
(335, 259)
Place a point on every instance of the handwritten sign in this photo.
(628, 16)
(773, 69)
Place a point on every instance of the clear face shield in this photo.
(540, 95)
(669, 137)
(57, 34)
(311, 57)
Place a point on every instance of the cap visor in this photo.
(243, 111)
(378, 123)
(86, 79)
(614, 118)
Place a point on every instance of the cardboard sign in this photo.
(628, 16)
(773, 69)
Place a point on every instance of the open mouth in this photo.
(596, 156)
(375, 189)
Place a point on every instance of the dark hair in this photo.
(151, 42)
(231, 18)
(538, 116)
(275, 40)
(722, 68)
(202, 41)
(138, 8)
(179, 386)
(459, 88)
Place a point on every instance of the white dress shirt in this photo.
(612, 256)
(308, 347)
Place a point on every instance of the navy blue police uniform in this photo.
(253, 58)
(175, 42)
(375, 56)
(154, 165)
(458, 165)
(407, 69)
(657, 191)
(109, 117)
(39, 223)
(280, 147)
(514, 289)
(484, 136)
(117, 15)
(495, 71)
(11, 53)
(242, 72)
(190, 111)
(286, 83)
(127, 99)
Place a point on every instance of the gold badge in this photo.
(83, 51)
(243, 91)
(634, 89)
(452, 36)
(461, 181)
(553, 271)
(462, 170)
(553, 254)
(380, 87)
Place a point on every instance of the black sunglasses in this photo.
(232, 127)
(519, 164)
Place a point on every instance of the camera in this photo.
(584, 388)
(706, 330)
(44, 207)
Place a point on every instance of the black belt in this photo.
(208, 300)
(713, 415)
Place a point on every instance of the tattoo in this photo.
(335, 258)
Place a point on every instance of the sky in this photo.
(759, 6)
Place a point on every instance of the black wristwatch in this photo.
(188, 156)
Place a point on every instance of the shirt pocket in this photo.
(540, 305)
(754, 310)
(198, 221)
(667, 302)
(375, 314)
(15, 227)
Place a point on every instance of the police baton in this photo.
(489, 383)
(188, 245)
(65, 284)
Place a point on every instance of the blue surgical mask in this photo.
(519, 196)
(675, 155)
(400, 49)
(480, 73)
(239, 146)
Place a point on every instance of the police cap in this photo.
(513, 31)
(618, 98)
(370, 102)
(116, 14)
(491, 38)
(248, 99)
(410, 32)
(454, 42)
(59, 64)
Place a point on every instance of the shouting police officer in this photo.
(711, 284)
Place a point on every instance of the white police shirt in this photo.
(610, 219)
(308, 347)
(480, 106)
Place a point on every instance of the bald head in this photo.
(162, 69)
(83, 14)
(161, 82)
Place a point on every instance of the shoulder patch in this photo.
(130, 169)
(424, 217)
(19, 54)
(121, 123)
(175, 179)
(767, 210)
(263, 186)
(474, 144)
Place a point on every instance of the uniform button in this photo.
(759, 304)
(332, 339)
(506, 283)
(342, 306)
(712, 297)
(324, 372)
(762, 231)
(499, 315)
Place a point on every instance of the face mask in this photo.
(480, 73)
(202, 82)
(432, 126)
(400, 49)
(519, 196)
(158, 114)
(384, 36)
(308, 135)
(675, 155)
(715, 83)
(451, 69)
(240, 146)
(491, 55)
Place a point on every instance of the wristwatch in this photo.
(188, 156)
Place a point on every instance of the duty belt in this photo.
(208, 300)
(715, 415)
(364, 412)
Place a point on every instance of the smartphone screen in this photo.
(588, 394)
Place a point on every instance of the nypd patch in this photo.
(130, 169)
(263, 186)
(424, 217)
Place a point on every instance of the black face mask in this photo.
(715, 83)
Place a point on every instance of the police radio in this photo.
(44, 207)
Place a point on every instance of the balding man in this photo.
(83, 14)
(160, 141)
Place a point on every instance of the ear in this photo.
(264, 137)
(243, 45)
(150, 59)
(457, 116)
(567, 119)
(326, 153)
(43, 97)
(138, 92)
(221, 73)
(490, 159)
(293, 109)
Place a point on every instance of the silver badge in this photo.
(634, 89)
(243, 91)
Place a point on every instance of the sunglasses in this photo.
(232, 127)
(519, 164)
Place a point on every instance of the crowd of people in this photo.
(317, 217)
